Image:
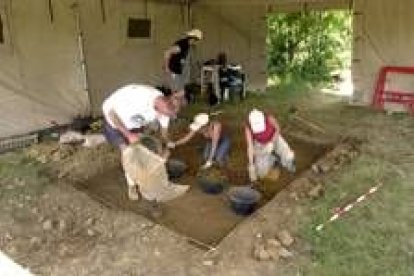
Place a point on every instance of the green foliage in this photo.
(308, 44)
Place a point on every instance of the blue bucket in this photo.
(175, 168)
(210, 185)
(243, 200)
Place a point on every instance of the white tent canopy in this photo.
(60, 59)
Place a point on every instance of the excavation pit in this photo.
(198, 215)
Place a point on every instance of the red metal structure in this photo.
(393, 96)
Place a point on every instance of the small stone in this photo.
(294, 196)
(62, 225)
(284, 253)
(259, 235)
(261, 254)
(90, 221)
(316, 192)
(91, 233)
(63, 250)
(273, 252)
(285, 238)
(28, 197)
(42, 159)
(325, 167)
(273, 243)
(208, 262)
(8, 236)
(157, 253)
(47, 225)
(35, 241)
(315, 168)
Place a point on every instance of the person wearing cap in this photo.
(265, 145)
(128, 111)
(175, 60)
(218, 143)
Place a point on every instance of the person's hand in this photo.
(269, 147)
(171, 145)
(132, 138)
(252, 173)
(207, 165)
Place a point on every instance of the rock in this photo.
(42, 159)
(63, 250)
(273, 252)
(47, 225)
(325, 167)
(260, 253)
(285, 238)
(284, 253)
(62, 225)
(90, 221)
(35, 241)
(273, 243)
(294, 196)
(91, 233)
(315, 168)
(316, 192)
(157, 253)
(208, 262)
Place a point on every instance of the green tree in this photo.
(308, 44)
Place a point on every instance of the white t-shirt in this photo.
(134, 105)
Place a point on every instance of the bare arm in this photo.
(249, 144)
(186, 138)
(214, 139)
(167, 55)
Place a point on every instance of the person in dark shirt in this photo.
(175, 59)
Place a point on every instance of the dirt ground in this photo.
(53, 228)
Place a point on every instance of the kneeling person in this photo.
(217, 147)
(265, 145)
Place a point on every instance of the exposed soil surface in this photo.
(200, 216)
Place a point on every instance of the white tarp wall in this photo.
(113, 59)
(237, 28)
(383, 35)
(40, 74)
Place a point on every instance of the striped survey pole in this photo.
(339, 212)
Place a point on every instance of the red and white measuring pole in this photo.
(339, 212)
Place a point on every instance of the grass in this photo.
(18, 175)
(376, 237)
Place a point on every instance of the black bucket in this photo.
(243, 200)
(210, 185)
(175, 168)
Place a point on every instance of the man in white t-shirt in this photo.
(128, 111)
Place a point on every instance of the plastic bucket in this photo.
(243, 199)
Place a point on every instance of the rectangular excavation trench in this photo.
(199, 216)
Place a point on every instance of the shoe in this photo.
(133, 192)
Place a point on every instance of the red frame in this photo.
(381, 96)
